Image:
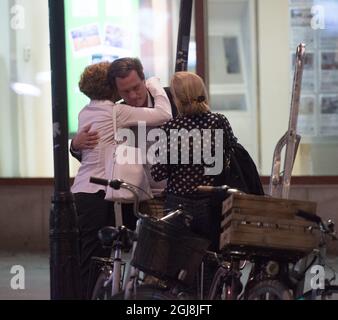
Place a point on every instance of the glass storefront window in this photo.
(101, 30)
(315, 23)
(26, 115)
(96, 30)
(232, 67)
(250, 52)
(251, 48)
(104, 30)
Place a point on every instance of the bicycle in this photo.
(174, 286)
(272, 276)
(112, 269)
(327, 229)
(225, 284)
(276, 278)
(112, 283)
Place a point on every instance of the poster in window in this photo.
(300, 17)
(232, 59)
(85, 39)
(228, 102)
(85, 8)
(306, 116)
(118, 8)
(117, 36)
(228, 68)
(100, 57)
(302, 35)
(309, 76)
(329, 115)
(328, 38)
(300, 3)
(329, 71)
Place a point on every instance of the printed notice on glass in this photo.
(329, 71)
(297, 3)
(309, 73)
(118, 8)
(306, 116)
(301, 31)
(328, 39)
(302, 35)
(328, 115)
(301, 17)
(85, 8)
(117, 36)
(85, 39)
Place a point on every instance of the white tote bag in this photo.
(125, 163)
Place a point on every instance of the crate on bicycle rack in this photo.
(153, 207)
(263, 225)
(167, 251)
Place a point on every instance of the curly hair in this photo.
(94, 83)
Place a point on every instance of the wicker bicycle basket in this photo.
(153, 207)
(165, 251)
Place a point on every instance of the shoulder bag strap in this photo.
(233, 158)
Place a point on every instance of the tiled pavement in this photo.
(37, 282)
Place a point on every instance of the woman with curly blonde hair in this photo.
(93, 211)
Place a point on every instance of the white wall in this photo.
(274, 75)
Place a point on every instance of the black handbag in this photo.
(242, 172)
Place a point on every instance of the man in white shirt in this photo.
(126, 75)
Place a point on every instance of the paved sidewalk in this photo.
(36, 280)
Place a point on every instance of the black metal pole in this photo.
(63, 236)
(183, 39)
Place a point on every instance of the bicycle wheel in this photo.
(102, 291)
(147, 293)
(269, 290)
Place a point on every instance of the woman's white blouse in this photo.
(99, 114)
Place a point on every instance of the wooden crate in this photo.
(266, 206)
(261, 224)
(153, 207)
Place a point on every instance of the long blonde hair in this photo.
(189, 93)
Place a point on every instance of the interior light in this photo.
(25, 89)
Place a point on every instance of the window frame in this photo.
(201, 69)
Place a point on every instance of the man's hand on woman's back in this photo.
(85, 139)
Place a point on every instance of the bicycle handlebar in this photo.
(117, 184)
(328, 228)
(309, 216)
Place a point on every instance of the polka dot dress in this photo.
(187, 146)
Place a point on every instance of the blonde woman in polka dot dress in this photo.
(187, 146)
